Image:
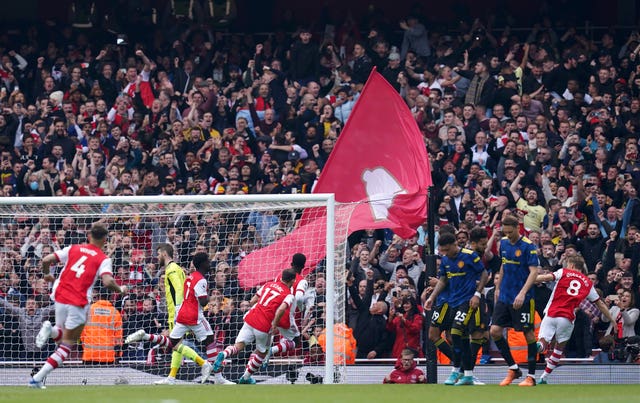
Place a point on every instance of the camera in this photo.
(628, 351)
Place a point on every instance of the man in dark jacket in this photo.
(592, 246)
(305, 59)
(482, 85)
(370, 333)
(8, 126)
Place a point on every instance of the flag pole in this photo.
(431, 270)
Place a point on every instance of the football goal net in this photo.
(250, 239)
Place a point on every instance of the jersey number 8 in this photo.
(574, 288)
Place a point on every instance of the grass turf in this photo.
(321, 393)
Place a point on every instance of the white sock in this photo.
(468, 373)
(44, 371)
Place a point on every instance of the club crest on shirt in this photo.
(461, 264)
(518, 252)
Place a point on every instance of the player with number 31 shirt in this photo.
(572, 286)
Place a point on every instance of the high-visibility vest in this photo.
(102, 332)
(518, 343)
(344, 344)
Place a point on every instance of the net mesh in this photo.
(227, 230)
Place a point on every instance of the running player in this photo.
(287, 327)
(72, 291)
(174, 278)
(572, 286)
(261, 324)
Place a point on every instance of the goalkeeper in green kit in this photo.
(174, 277)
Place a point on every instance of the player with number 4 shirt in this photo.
(83, 264)
(572, 286)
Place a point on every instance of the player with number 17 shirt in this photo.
(260, 323)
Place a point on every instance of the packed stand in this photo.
(543, 126)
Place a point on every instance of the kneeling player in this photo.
(572, 286)
(260, 325)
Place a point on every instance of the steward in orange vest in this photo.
(344, 344)
(102, 334)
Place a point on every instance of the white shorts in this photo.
(249, 334)
(71, 316)
(561, 328)
(290, 333)
(200, 330)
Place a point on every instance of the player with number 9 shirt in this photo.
(572, 286)
(260, 323)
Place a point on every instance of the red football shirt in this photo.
(272, 295)
(195, 286)
(572, 287)
(83, 264)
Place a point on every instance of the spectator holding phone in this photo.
(406, 323)
(626, 315)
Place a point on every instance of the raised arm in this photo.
(514, 186)
(605, 310)
(544, 278)
(109, 282)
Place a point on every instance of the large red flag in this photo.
(379, 163)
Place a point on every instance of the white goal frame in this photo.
(327, 199)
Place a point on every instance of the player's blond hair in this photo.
(577, 262)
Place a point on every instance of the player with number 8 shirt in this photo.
(572, 286)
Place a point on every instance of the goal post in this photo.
(228, 228)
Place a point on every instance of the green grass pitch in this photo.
(322, 393)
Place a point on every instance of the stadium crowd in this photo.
(541, 124)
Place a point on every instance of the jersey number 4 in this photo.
(78, 266)
(268, 297)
